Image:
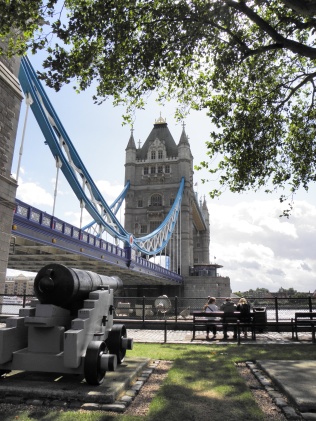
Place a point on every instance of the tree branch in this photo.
(303, 7)
(308, 78)
(291, 45)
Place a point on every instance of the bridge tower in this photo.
(154, 170)
(10, 102)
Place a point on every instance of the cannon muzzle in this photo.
(62, 286)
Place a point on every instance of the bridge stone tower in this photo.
(10, 101)
(155, 170)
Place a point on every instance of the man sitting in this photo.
(229, 307)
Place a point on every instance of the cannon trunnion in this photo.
(68, 329)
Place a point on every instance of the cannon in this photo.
(68, 328)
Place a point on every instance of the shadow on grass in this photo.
(204, 382)
(202, 386)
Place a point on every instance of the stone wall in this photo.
(204, 286)
(10, 102)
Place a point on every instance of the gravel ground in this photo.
(140, 404)
(269, 408)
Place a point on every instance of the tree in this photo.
(250, 64)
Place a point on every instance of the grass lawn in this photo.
(203, 384)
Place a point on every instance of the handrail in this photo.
(275, 306)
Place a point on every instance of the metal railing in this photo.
(177, 309)
(144, 308)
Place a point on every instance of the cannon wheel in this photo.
(114, 342)
(92, 371)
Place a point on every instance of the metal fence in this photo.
(176, 308)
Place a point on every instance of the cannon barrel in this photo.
(62, 286)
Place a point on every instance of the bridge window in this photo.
(153, 154)
(140, 203)
(156, 200)
(146, 171)
(152, 170)
(160, 169)
(171, 201)
(160, 154)
(167, 169)
(143, 229)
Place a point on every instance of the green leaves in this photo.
(250, 65)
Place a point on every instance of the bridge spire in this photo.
(184, 140)
(131, 142)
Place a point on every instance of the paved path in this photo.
(180, 336)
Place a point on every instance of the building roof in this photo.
(161, 132)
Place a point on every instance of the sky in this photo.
(256, 247)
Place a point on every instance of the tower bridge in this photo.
(39, 239)
(163, 215)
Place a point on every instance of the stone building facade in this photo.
(155, 170)
(10, 101)
(19, 285)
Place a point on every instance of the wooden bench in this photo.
(304, 321)
(205, 320)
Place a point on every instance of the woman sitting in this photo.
(209, 307)
(244, 307)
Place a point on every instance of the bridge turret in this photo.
(185, 169)
(130, 158)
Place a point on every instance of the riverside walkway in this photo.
(182, 336)
(185, 337)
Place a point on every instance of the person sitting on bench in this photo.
(244, 307)
(209, 307)
(229, 307)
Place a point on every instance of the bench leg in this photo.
(292, 327)
(253, 331)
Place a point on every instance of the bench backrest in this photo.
(221, 314)
(305, 315)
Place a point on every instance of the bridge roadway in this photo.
(39, 239)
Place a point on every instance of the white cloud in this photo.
(257, 248)
(109, 191)
(30, 192)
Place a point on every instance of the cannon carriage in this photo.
(68, 328)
